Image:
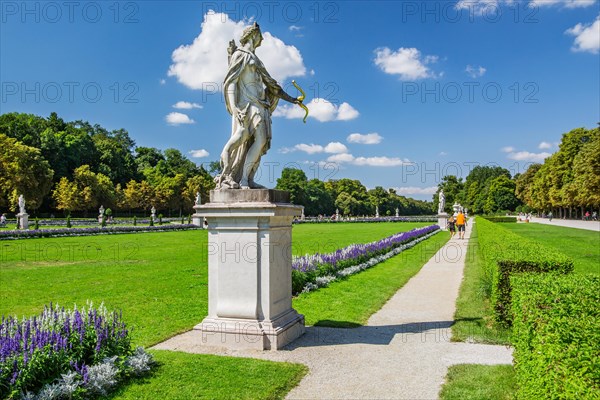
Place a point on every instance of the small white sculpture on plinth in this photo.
(302, 217)
(397, 212)
(100, 214)
(197, 219)
(22, 215)
(442, 215)
(337, 214)
(376, 211)
(153, 214)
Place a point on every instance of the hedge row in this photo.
(556, 336)
(506, 253)
(500, 219)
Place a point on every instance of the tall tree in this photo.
(294, 181)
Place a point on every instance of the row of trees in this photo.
(76, 166)
(568, 182)
(349, 196)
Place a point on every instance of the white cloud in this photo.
(406, 62)
(564, 3)
(443, 153)
(408, 190)
(295, 28)
(587, 37)
(331, 148)
(475, 72)
(335, 148)
(184, 105)
(319, 109)
(199, 153)
(176, 118)
(367, 161)
(545, 146)
(203, 64)
(163, 82)
(507, 149)
(369, 138)
(528, 156)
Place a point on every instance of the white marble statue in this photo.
(21, 202)
(197, 202)
(442, 202)
(251, 95)
(101, 211)
(397, 212)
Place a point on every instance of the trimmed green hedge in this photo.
(506, 253)
(556, 336)
(500, 219)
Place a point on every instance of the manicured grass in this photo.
(159, 280)
(581, 245)
(350, 303)
(477, 382)
(191, 376)
(473, 316)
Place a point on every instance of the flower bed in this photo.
(327, 220)
(72, 354)
(310, 272)
(39, 233)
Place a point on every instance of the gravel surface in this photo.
(570, 223)
(402, 353)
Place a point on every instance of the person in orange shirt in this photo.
(461, 222)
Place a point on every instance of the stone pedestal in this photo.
(249, 270)
(443, 221)
(23, 221)
(198, 220)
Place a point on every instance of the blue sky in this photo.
(401, 93)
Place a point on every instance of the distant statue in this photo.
(101, 211)
(442, 202)
(197, 202)
(397, 212)
(21, 204)
(251, 95)
(153, 211)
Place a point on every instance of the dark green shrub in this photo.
(160, 216)
(151, 221)
(36, 226)
(506, 253)
(556, 336)
(69, 221)
(134, 220)
(103, 223)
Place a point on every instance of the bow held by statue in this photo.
(301, 99)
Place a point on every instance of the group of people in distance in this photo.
(457, 221)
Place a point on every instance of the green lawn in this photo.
(182, 376)
(473, 316)
(159, 280)
(581, 245)
(350, 302)
(478, 382)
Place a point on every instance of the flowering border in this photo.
(111, 230)
(319, 270)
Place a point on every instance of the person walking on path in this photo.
(452, 226)
(461, 221)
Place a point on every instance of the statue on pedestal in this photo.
(197, 201)
(251, 95)
(21, 202)
(442, 202)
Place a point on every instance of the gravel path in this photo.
(402, 353)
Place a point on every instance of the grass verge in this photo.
(182, 376)
(581, 245)
(476, 382)
(473, 316)
(350, 302)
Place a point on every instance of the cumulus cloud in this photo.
(563, 3)
(369, 138)
(491, 8)
(199, 153)
(319, 109)
(203, 63)
(528, 156)
(331, 148)
(545, 146)
(408, 190)
(405, 62)
(475, 72)
(184, 105)
(587, 37)
(176, 118)
(507, 149)
(367, 161)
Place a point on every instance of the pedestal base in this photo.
(249, 270)
(443, 221)
(198, 220)
(23, 221)
(235, 333)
